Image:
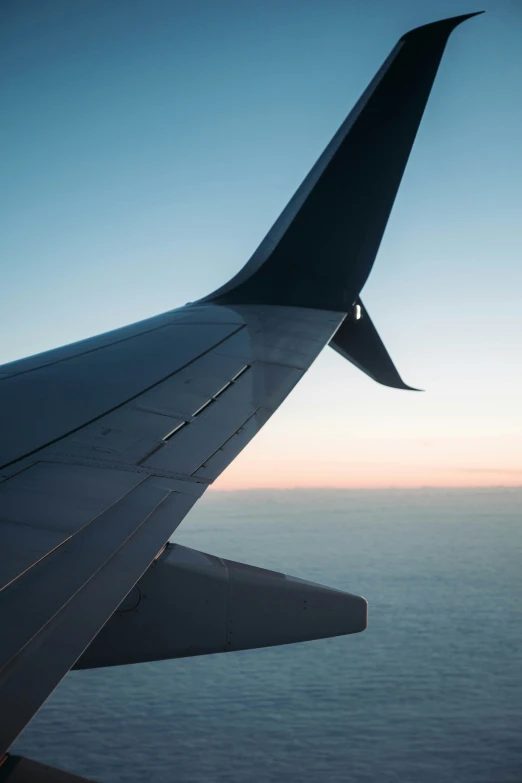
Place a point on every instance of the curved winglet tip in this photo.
(444, 26)
(403, 386)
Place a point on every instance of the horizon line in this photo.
(409, 488)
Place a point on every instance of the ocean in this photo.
(430, 692)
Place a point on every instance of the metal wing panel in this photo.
(181, 316)
(66, 625)
(125, 435)
(45, 504)
(173, 428)
(53, 400)
(65, 570)
(184, 393)
(74, 510)
(216, 463)
(188, 448)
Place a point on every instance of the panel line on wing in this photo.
(121, 404)
(240, 373)
(101, 345)
(220, 391)
(62, 580)
(67, 537)
(227, 441)
(223, 388)
(101, 462)
(202, 407)
(206, 404)
(169, 435)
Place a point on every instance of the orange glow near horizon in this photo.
(262, 476)
(277, 460)
(391, 441)
(339, 429)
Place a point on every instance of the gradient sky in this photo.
(148, 146)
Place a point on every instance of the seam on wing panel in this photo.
(98, 462)
(164, 440)
(222, 447)
(121, 404)
(85, 583)
(8, 477)
(219, 392)
(65, 540)
(196, 413)
(82, 353)
(202, 407)
(5, 376)
(151, 409)
(169, 435)
(223, 388)
(240, 373)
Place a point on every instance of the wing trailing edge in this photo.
(321, 249)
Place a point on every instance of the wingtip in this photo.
(399, 384)
(442, 26)
(462, 17)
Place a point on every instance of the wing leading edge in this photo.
(107, 444)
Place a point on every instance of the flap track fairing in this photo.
(190, 603)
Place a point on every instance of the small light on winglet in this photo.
(357, 312)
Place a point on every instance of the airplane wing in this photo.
(107, 443)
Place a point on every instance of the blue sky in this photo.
(148, 147)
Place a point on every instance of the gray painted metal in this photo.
(190, 603)
(61, 633)
(217, 462)
(188, 449)
(43, 506)
(130, 475)
(185, 316)
(55, 399)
